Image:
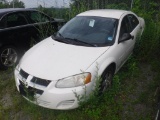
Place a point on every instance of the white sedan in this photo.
(94, 43)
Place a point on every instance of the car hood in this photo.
(54, 60)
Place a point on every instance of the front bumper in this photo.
(47, 95)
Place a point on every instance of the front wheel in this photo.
(8, 57)
(107, 78)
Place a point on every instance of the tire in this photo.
(8, 57)
(107, 78)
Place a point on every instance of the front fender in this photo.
(105, 64)
(100, 66)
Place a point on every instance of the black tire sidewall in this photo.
(108, 69)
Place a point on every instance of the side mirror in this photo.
(125, 37)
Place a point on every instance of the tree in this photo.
(13, 3)
(17, 4)
(4, 4)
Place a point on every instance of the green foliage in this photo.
(4, 4)
(13, 3)
(44, 32)
(93, 105)
(150, 41)
(122, 6)
(17, 4)
(60, 13)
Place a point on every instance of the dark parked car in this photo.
(19, 29)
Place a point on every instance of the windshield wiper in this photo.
(68, 40)
(63, 40)
(60, 34)
(79, 41)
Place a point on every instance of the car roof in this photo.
(109, 13)
(9, 10)
(4, 10)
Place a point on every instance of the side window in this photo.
(37, 17)
(133, 20)
(14, 19)
(125, 26)
(3, 23)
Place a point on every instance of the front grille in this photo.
(40, 81)
(23, 74)
(29, 91)
(35, 80)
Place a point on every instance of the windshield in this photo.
(88, 31)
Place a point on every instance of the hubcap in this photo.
(106, 81)
(8, 57)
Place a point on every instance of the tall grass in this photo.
(150, 40)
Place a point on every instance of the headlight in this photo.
(74, 81)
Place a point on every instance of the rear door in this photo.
(124, 48)
(15, 30)
(135, 26)
(128, 24)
